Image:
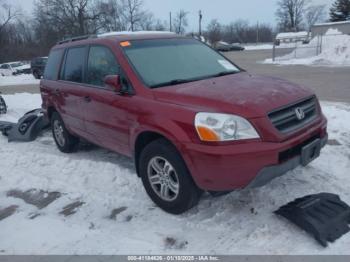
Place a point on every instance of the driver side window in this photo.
(101, 62)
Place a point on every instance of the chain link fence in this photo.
(299, 50)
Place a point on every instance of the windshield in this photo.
(162, 62)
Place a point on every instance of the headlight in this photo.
(223, 127)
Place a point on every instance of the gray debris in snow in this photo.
(173, 243)
(8, 211)
(34, 215)
(128, 218)
(38, 198)
(333, 142)
(116, 212)
(71, 208)
(253, 211)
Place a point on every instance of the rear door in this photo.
(106, 112)
(69, 90)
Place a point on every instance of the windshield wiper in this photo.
(224, 73)
(181, 81)
(172, 82)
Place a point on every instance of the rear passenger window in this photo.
(73, 69)
(101, 63)
(53, 64)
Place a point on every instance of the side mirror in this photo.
(113, 81)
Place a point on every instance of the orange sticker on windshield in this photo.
(125, 44)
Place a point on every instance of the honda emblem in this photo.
(299, 112)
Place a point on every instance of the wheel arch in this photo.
(142, 140)
(50, 111)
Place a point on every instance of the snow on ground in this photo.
(239, 223)
(335, 52)
(258, 47)
(24, 79)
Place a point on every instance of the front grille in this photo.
(286, 119)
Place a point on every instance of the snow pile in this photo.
(24, 79)
(239, 223)
(335, 51)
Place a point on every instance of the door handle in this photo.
(87, 99)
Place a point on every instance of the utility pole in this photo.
(257, 32)
(200, 22)
(170, 23)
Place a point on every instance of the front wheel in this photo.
(166, 178)
(65, 142)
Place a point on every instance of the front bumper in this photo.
(271, 172)
(247, 163)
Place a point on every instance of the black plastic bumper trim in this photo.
(271, 172)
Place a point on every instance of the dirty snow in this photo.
(102, 207)
(335, 52)
(24, 79)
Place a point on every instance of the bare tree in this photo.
(111, 15)
(160, 25)
(147, 22)
(315, 14)
(290, 14)
(7, 14)
(214, 31)
(181, 22)
(241, 27)
(133, 12)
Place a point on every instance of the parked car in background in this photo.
(38, 66)
(226, 47)
(192, 120)
(14, 68)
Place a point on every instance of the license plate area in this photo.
(310, 152)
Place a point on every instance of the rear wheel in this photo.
(166, 178)
(65, 142)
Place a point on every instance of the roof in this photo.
(332, 23)
(292, 35)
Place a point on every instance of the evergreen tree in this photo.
(340, 11)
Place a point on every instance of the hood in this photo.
(243, 94)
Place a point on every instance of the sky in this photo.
(262, 11)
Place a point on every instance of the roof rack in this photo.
(77, 38)
(121, 33)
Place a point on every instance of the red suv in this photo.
(192, 120)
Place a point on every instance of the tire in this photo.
(65, 142)
(36, 75)
(158, 153)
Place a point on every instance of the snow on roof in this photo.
(333, 23)
(134, 33)
(292, 35)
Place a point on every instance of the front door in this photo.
(106, 112)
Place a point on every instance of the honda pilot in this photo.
(191, 119)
